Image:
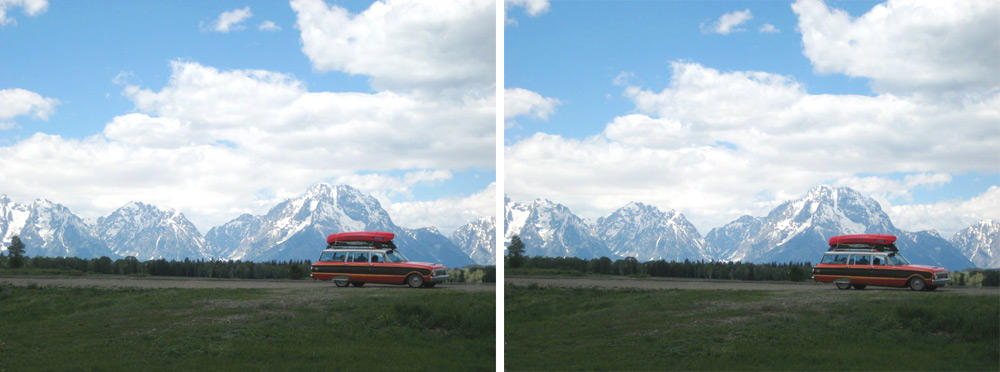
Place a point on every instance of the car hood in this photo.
(428, 264)
(924, 267)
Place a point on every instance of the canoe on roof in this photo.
(862, 239)
(361, 236)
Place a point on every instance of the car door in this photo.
(860, 267)
(357, 266)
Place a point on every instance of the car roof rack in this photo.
(349, 244)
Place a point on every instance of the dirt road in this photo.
(672, 283)
(176, 282)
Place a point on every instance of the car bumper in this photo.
(439, 278)
(940, 282)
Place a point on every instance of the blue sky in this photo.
(724, 108)
(231, 108)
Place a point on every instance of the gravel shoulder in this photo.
(178, 282)
(706, 284)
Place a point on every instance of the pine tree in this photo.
(515, 252)
(16, 252)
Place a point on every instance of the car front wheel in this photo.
(918, 284)
(415, 281)
(843, 285)
(358, 284)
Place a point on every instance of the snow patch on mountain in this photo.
(980, 243)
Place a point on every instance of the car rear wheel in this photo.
(917, 284)
(358, 284)
(415, 281)
(860, 286)
(341, 281)
(843, 285)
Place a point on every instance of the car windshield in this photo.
(897, 259)
(395, 256)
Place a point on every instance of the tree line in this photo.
(131, 266)
(630, 266)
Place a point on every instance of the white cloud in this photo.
(268, 26)
(384, 187)
(533, 8)
(768, 28)
(30, 8)
(216, 143)
(728, 23)
(715, 145)
(523, 102)
(947, 217)
(19, 102)
(405, 45)
(447, 214)
(884, 189)
(935, 48)
(229, 21)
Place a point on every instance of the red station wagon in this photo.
(873, 259)
(356, 258)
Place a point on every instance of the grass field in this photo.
(637, 330)
(90, 329)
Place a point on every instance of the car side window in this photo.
(860, 259)
(878, 260)
(339, 256)
(326, 257)
(358, 257)
(841, 259)
(378, 257)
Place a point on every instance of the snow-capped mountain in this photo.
(647, 233)
(297, 229)
(146, 232)
(477, 240)
(49, 229)
(980, 243)
(794, 225)
(429, 245)
(550, 229)
(798, 231)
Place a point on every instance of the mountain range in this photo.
(295, 229)
(796, 230)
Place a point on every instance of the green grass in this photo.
(637, 330)
(89, 329)
(543, 272)
(40, 272)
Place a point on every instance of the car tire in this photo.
(843, 285)
(917, 284)
(415, 281)
(358, 284)
(341, 281)
(860, 286)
